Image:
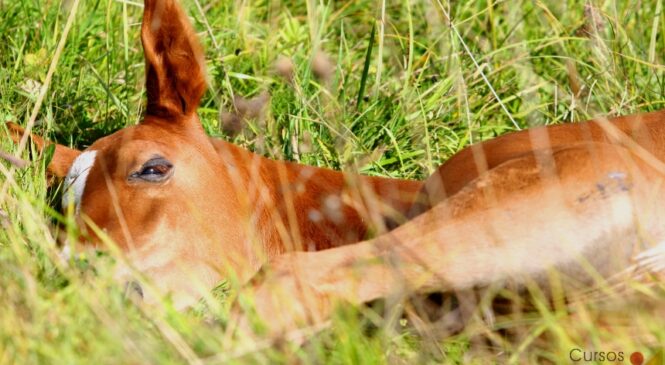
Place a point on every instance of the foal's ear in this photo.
(63, 156)
(175, 66)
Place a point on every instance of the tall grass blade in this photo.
(368, 58)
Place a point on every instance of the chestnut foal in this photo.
(582, 199)
(184, 206)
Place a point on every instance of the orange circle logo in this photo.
(636, 358)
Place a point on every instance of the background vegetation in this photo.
(440, 75)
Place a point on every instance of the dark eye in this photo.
(156, 169)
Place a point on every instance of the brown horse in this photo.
(582, 199)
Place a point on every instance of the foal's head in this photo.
(159, 189)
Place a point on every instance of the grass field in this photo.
(440, 75)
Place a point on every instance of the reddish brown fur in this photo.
(65, 155)
(175, 67)
(225, 210)
(304, 189)
(462, 168)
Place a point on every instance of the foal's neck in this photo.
(300, 207)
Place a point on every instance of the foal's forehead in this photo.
(118, 152)
(138, 131)
(138, 137)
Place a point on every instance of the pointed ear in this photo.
(63, 156)
(175, 66)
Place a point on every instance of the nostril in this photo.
(133, 291)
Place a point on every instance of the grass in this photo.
(439, 76)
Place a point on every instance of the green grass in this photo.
(432, 86)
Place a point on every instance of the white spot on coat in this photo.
(332, 207)
(314, 216)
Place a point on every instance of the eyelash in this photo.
(154, 170)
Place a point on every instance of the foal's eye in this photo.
(156, 169)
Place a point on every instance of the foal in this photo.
(580, 199)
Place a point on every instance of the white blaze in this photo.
(76, 179)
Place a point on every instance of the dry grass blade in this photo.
(254, 108)
(13, 160)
